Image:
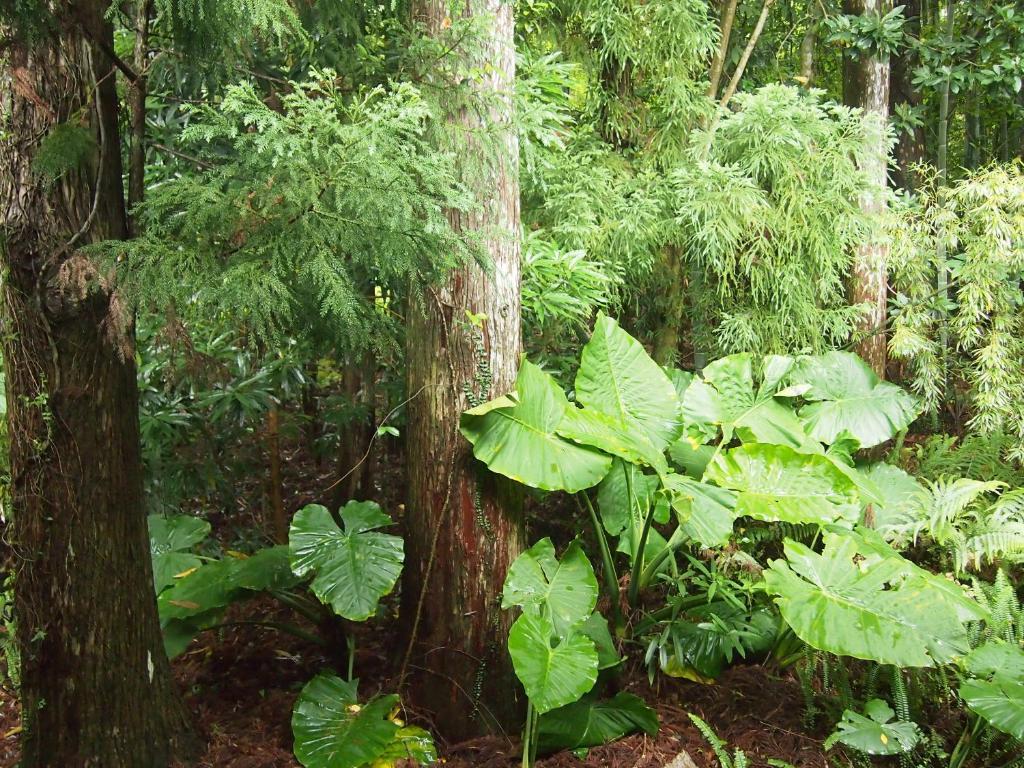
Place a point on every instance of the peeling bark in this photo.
(96, 685)
(463, 525)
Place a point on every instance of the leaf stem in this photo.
(528, 736)
(610, 577)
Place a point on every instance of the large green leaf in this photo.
(554, 671)
(410, 743)
(592, 722)
(170, 541)
(352, 569)
(209, 587)
(995, 690)
(778, 483)
(518, 438)
(613, 500)
(565, 592)
(332, 730)
(875, 732)
(611, 435)
(618, 378)
(856, 600)
(706, 512)
(269, 568)
(726, 397)
(847, 396)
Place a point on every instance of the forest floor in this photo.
(240, 682)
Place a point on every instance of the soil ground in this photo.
(241, 682)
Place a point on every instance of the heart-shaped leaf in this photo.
(876, 733)
(618, 378)
(592, 722)
(170, 541)
(776, 483)
(853, 599)
(554, 671)
(995, 688)
(565, 592)
(332, 730)
(846, 395)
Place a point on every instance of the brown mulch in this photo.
(241, 682)
(748, 707)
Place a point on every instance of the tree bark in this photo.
(464, 526)
(137, 100)
(911, 148)
(866, 85)
(808, 43)
(96, 685)
(718, 61)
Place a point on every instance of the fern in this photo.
(304, 209)
(738, 758)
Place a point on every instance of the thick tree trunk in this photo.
(911, 148)
(464, 526)
(866, 85)
(96, 685)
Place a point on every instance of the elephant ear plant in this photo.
(558, 644)
(349, 565)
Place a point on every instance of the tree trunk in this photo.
(464, 526)
(972, 138)
(96, 685)
(808, 43)
(718, 61)
(866, 85)
(137, 99)
(911, 148)
(275, 484)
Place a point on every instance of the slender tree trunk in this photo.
(808, 43)
(137, 101)
(972, 138)
(911, 148)
(464, 526)
(96, 685)
(275, 489)
(866, 85)
(718, 62)
(741, 66)
(942, 169)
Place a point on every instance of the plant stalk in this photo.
(610, 577)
